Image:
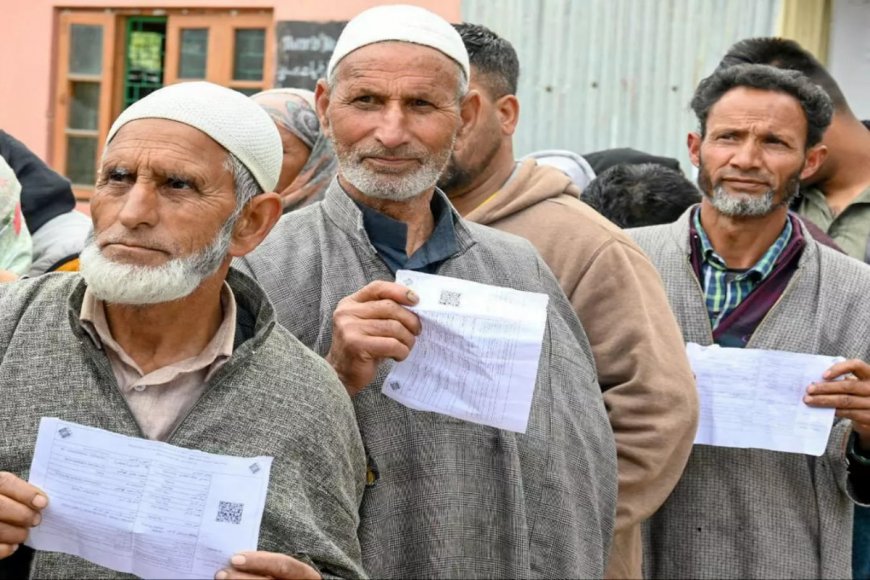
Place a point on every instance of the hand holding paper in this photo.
(850, 395)
(369, 326)
(144, 507)
(21, 505)
(477, 356)
(754, 398)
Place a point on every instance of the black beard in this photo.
(454, 178)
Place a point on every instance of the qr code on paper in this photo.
(449, 298)
(229, 512)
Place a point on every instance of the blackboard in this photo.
(304, 49)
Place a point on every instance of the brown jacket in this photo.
(649, 389)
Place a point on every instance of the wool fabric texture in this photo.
(455, 499)
(403, 23)
(755, 513)
(237, 123)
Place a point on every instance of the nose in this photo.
(140, 206)
(747, 155)
(391, 131)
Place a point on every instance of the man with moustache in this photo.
(613, 288)
(446, 498)
(742, 271)
(159, 338)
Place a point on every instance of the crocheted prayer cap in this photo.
(236, 122)
(400, 22)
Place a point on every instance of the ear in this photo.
(257, 220)
(321, 104)
(815, 157)
(693, 141)
(508, 111)
(469, 112)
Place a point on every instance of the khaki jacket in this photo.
(649, 389)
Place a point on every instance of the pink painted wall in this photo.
(27, 33)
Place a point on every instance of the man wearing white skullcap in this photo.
(445, 497)
(157, 337)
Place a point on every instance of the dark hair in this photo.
(648, 194)
(815, 103)
(491, 56)
(786, 54)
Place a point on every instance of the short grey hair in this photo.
(245, 185)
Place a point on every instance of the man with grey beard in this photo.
(446, 498)
(159, 338)
(741, 271)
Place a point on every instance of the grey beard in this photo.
(737, 205)
(391, 187)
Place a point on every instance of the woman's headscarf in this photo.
(294, 110)
(15, 244)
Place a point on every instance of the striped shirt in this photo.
(725, 289)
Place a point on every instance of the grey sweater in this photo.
(457, 499)
(272, 397)
(749, 513)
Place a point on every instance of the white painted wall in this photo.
(849, 53)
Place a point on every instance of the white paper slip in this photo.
(754, 398)
(477, 357)
(144, 507)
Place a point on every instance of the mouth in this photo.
(746, 184)
(127, 248)
(390, 162)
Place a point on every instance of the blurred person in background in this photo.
(48, 205)
(647, 194)
(15, 245)
(309, 161)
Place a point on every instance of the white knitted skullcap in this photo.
(236, 122)
(404, 23)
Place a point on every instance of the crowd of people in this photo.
(235, 292)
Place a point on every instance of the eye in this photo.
(364, 100)
(178, 183)
(117, 174)
(419, 103)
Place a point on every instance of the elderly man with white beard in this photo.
(446, 497)
(159, 338)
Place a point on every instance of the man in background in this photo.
(613, 288)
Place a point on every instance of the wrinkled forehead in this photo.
(775, 109)
(398, 58)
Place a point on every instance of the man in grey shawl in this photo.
(159, 338)
(446, 498)
(741, 271)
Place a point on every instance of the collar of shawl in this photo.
(255, 316)
(342, 210)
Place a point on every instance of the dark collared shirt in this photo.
(736, 327)
(390, 237)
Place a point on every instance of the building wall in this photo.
(599, 74)
(849, 53)
(27, 47)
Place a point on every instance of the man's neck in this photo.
(491, 179)
(158, 335)
(741, 242)
(415, 213)
(851, 175)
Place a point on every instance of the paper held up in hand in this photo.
(477, 357)
(144, 507)
(754, 398)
